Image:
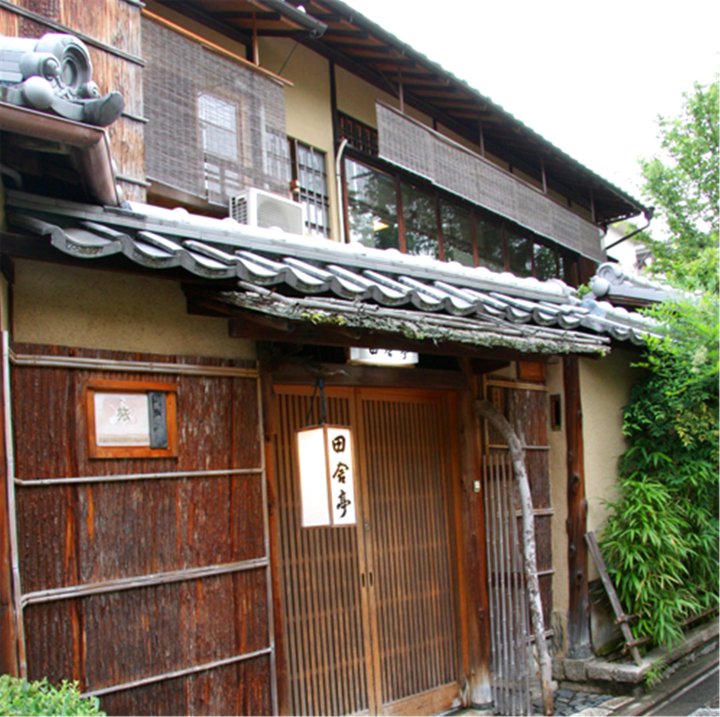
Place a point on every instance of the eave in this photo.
(367, 50)
(295, 285)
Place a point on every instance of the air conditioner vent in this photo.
(258, 208)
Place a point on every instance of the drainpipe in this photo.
(648, 214)
(338, 180)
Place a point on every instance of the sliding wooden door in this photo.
(370, 620)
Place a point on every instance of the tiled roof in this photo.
(305, 279)
(613, 283)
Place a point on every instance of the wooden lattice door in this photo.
(369, 612)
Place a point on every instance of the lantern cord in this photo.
(323, 407)
(318, 392)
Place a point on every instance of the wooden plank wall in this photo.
(170, 534)
(115, 24)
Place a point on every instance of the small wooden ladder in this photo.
(620, 617)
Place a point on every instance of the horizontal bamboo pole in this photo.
(179, 673)
(140, 581)
(122, 477)
(97, 364)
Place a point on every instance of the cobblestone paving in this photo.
(570, 702)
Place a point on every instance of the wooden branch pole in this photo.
(621, 618)
(517, 454)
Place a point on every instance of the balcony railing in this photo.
(421, 150)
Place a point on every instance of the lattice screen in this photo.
(422, 151)
(211, 120)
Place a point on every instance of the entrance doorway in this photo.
(370, 616)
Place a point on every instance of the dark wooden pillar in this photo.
(579, 608)
(269, 431)
(8, 635)
(473, 529)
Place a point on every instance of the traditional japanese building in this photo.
(224, 223)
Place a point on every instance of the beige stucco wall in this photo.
(604, 391)
(357, 98)
(88, 308)
(308, 115)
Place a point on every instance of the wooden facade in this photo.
(147, 580)
(178, 579)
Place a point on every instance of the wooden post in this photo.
(620, 617)
(579, 603)
(8, 637)
(474, 547)
(517, 455)
(269, 435)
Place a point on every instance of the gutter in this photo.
(88, 145)
(313, 26)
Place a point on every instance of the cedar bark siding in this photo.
(91, 534)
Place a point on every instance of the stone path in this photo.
(571, 702)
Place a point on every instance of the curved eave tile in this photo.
(151, 256)
(519, 315)
(386, 291)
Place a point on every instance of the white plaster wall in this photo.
(88, 308)
(604, 391)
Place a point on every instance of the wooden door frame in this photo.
(465, 511)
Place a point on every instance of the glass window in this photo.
(490, 245)
(519, 255)
(361, 136)
(218, 127)
(372, 207)
(420, 222)
(546, 266)
(457, 234)
(277, 155)
(312, 187)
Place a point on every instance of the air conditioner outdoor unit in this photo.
(264, 209)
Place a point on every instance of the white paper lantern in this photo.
(327, 476)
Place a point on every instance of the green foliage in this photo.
(683, 184)
(661, 539)
(655, 674)
(20, 697)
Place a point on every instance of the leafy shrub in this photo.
(20, 697)
(660, 542)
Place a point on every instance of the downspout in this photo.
(648, 214)
(338, 181)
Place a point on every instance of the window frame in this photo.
(97, 448)
(505, 227)
(306, 195)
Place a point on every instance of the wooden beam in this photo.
(249, 325)
(579, 607)
(295, 372)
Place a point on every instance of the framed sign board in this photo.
(131, 419)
